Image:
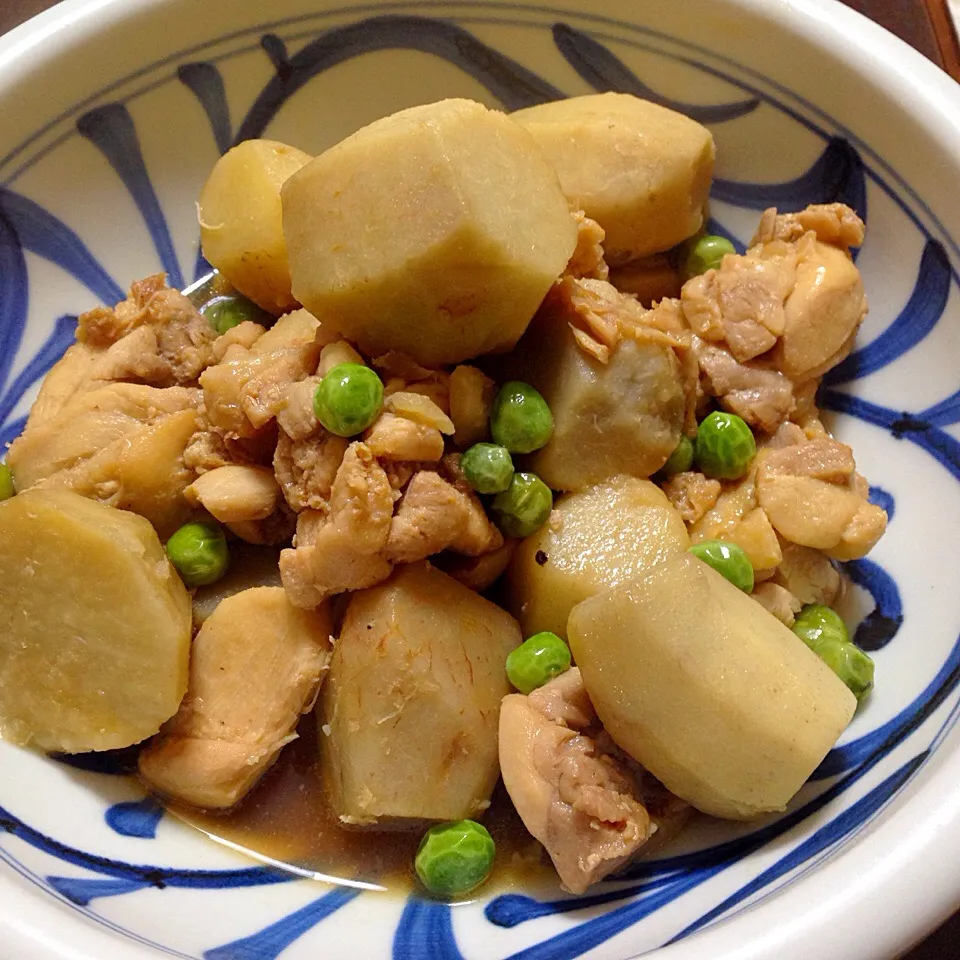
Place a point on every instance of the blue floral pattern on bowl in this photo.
(880, 754)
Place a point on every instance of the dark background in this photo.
(925, 24)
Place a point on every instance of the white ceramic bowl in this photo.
(111, 114)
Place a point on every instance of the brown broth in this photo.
(287, 819)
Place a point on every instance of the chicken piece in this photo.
(345, 550)
(420, 408)
(411, 703)
(650, 280)
(761, 396)
(471, 395)
(478, 573)
(184, 336)
(296, 416)
(256, 666)
(135, 358)
(755, 535)
(573, 796)
(250, 567)
(742, 302)
(244, 334)
(587, 259)
(397, 438)
(275, 530)
(809, 575)
(824, 311)
(433, 516)
(68, 376)
(305, 469)
(248, 387)
(734, 503)
(234, 494)
(813, 497)
(832, 223)
(692, 494)
(777, 600)
(121, 443)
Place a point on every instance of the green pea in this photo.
(455, 858)
(524, 506)
(199, 552)
(520, 420)
(226, 312)
(537, 660)
(487, 467)
(817, 622)
(848, 662)
(7, 489)
(680, 460)
(706, 253)
(348, 399)
(728, 559)
(724, 446)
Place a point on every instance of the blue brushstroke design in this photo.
(81, 890)
(425, 930)
(42, 233)
(205, 81)
(606, 72)
(111, 130)
(918, 317)
(11, 430)
(578, 940)
(719, 230)
(944, 413)
(903, 426)
(270, 942)
(14, 295)
(135, 818)
(49, 353)
(836, 176)
(156, 876)
(827, 836)
(880, 626)
(884, 500)
(511, 83)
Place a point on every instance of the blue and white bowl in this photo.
(112, 112)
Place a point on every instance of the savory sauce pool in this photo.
(286, 818)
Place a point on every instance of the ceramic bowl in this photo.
(112, 112)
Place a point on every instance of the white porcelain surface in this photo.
(865, 861)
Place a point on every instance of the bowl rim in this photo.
(897, 893)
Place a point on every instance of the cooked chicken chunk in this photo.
(305, 469)
(587, 259)
(397, 438)
(471, 395)
(343, 549)
(256, 666)
(121, 443)
(184, 337)
(692, 494)
(233, 494)
(812, 495)
(808, 575)
(573, 795)
(778, 600)
(833, 223)
(248, 387)
(433, 516)
(296, 416)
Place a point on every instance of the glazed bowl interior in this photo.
(111, 115)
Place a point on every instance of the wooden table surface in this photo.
(926, 24)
